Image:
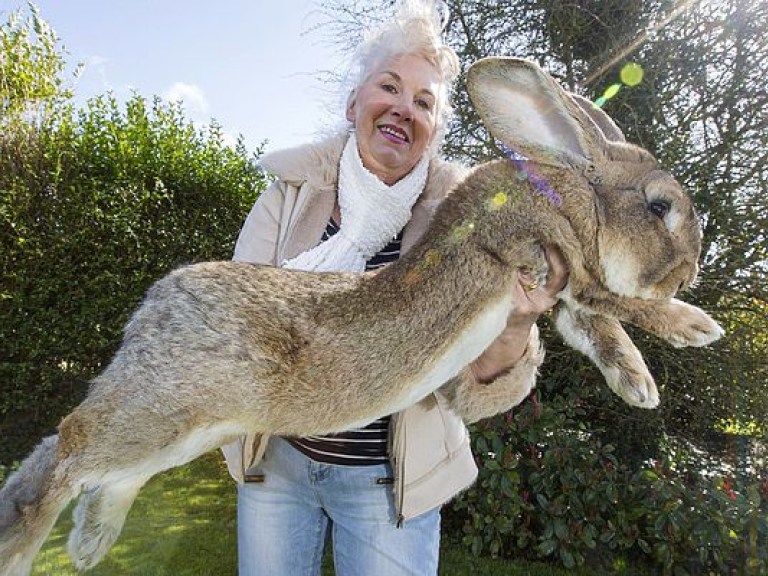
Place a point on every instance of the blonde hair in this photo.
(415, 29)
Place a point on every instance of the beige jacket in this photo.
(429, 444)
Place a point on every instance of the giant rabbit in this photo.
(219, 349)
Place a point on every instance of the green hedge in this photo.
(95, 205)
(550, 489)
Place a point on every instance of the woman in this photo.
(354, 202)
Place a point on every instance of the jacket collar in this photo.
(317, 164)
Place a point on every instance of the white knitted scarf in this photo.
(372, 214)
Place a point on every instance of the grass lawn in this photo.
(184, 524)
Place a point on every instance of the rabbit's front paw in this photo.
(691, 326)
(604, 340)
(633, 384)
(534, 266)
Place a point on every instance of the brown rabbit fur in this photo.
(220, 349)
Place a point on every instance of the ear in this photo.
(351, 101)
(527, 110)
(607, 126)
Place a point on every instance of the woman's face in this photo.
(395, 114)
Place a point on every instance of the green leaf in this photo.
(546, 547)
(644, 546)
(561, 529)
(567, 558)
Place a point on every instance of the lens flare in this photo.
(499, 199)
(461, 231)
(432, 257)
(631, 75)
(612, 90)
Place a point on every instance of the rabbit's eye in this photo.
(659, 208)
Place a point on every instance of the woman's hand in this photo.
(531, 301)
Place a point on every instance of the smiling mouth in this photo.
(394, 134)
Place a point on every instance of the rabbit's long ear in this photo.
(526, 109)
(607, 126)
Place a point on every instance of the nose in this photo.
(403, 109)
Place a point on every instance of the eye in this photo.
(424, 104)
(659, 208)
(391, 88)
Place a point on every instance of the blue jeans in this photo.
(282, 521)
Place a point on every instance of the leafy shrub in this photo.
(548, 489)
(95, 204)
(31, 67)
(693, 526)
(560, 489)
(94, 210)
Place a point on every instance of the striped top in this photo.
(363, 446)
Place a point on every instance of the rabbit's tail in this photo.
(99, 518)
(30, 502)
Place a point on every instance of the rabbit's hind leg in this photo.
(103, 507)
(99, 518)
(30, 502)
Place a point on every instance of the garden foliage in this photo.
(575, 476)
(551, 488)
(95, 204)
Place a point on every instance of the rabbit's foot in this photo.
(605, 342)
(690, 326)
(630, 380)
(99, 518)
(534, 268)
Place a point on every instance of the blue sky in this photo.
(253, 65)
